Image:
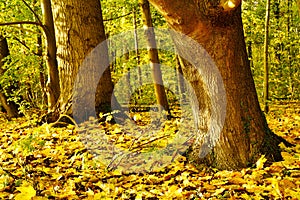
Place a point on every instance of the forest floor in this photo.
(43, 162)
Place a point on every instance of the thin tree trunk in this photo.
(278, 48)
(266, 58)
(250, 56)
(291, 81)
(153, 56)
(126, 70)
(39, 52)
(137, 53)
(53, 89)
(180, 80)
(41, 69)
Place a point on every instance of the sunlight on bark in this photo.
(230, 4)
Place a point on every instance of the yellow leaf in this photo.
(117, 130)
(172, 189)
(100, 196)
(237, 181)
(219, 191)
(260, 163)
(219, 182)
(26, 193)
(137, 117)
(139, 196)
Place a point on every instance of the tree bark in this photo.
(53, 89)
(10, 106)
(153, 56)
(79, 29)
(217, 26)
(266, 58)
(180, 81)
(137, 52)
(41, 68)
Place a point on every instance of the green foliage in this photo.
(145, 96)
(23, 66)
(21, 80)
(29, 143)
(113, 10)
(283, 48)
(119, 17)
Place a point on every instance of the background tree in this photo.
(79, 29)
(266, 59)
(283, 47)
(21, 29)
(136, 45)
(180, 80)
(53, 89)
(10, 106)
(217, 26)
(153, 56)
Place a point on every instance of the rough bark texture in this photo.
(79, 29)
(10, 107)
(218, 28)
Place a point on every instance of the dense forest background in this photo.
(26, 69)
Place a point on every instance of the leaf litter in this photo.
(43, 162)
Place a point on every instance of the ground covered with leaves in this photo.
(43, 162)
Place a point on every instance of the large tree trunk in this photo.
(79, 29)
(10, 106)
(217, 26)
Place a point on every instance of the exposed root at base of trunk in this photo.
(270, 147)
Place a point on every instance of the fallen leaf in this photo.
(27, 192)
(260, 163)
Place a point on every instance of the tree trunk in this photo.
(180, 81)
(10, 106)
(53, 89)
(288, 49)
(159, 89)
(217, 26)
(126, 70)
(41, 68)
(266, 58)
(250, 56)
(137, 52)
(79, 29)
